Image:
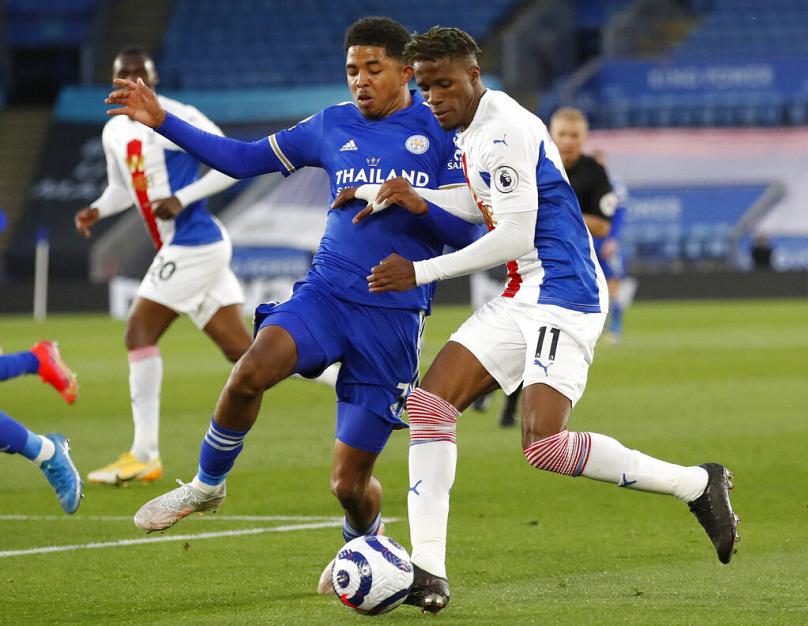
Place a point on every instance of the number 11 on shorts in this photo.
(538, 359)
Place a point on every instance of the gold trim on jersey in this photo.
(279, 153)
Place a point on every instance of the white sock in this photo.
(432, 464)
(603, 458)
(45, 453)
(432, 473)
(145, 380)
(210, 490)
(610, 461)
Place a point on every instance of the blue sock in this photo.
(17, 364)
(616, 324)
(218, 453)
(349, 532)
(17, 439)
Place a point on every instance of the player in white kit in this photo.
(189, 275)
(541, 331)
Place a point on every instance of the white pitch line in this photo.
(201, 518)
(134, 542)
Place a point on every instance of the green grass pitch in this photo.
(691, 382)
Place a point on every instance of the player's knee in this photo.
(349, 492)
(249, 378)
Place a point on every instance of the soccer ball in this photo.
(372, 574)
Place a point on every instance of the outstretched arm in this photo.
(238, 159)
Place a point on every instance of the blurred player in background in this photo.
(50, 452)
(386, 131)
(189, 275)
(612, 260)
(541, 331)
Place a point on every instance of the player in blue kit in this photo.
(386, 132)
(50, 452)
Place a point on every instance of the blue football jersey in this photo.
(354, 150)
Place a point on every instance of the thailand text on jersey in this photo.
(512, 165)
(151, 168)
(354, 150)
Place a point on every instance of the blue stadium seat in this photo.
(299, 40)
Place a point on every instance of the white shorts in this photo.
(195, 280)
(533, 343)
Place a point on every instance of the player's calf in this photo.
(563, 453)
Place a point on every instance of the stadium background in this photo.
(701, 107)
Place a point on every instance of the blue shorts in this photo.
(378, 349)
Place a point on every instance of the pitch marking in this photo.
(330, 523)
(201, 518)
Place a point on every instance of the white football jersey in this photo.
(143, 166)
(512, 165)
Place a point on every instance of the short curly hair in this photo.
(440, 42)
(378, 31)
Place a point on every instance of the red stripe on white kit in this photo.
(431, 418)
(134, 158)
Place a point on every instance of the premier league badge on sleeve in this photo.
(506, 179)
(417, 144)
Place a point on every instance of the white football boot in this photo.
(164, 511)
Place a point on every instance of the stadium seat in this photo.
(266, 33)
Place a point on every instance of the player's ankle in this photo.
(206, 488)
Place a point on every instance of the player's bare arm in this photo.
(85, 219)
(395, 273)
(167, 208)
(137, 101)
(598, 226)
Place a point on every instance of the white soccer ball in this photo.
(372, 574)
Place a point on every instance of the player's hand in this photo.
(137, 101)
(167, 208)
(85, 220)
(395, 273)
(344, 197)
(394, 191)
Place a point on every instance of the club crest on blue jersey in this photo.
(417, 144)
(506, 179)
